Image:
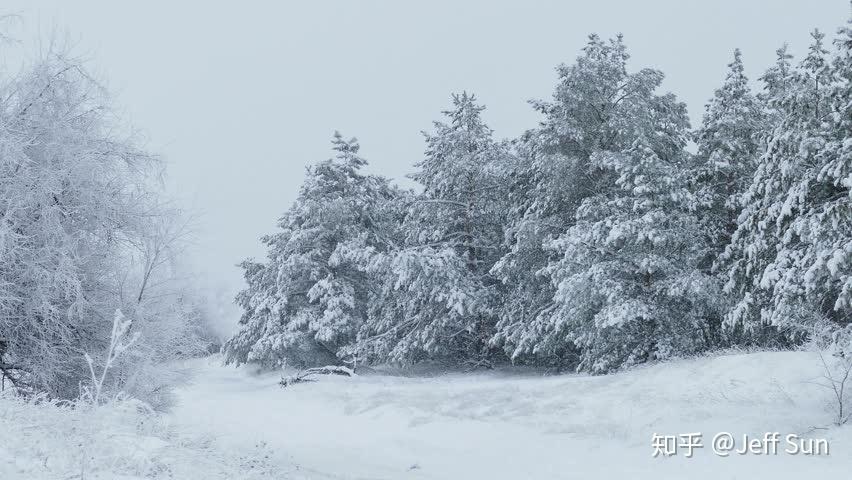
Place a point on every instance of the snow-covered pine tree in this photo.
(594, 97)
(438, 298)
(461, 179)
(537, 211)
(629, 287)
(790, 258)
(307, 302)
(776, 82)
(599, 110)
(729, 143)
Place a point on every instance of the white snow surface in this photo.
(503, 425)
(122, 439)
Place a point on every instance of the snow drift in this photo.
(510, 426)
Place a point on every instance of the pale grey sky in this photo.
(240, 96)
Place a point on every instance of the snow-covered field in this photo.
(235, 424)
(513, 426)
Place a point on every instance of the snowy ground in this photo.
(120, 440)
(501, 426)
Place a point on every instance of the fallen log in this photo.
(304, 375)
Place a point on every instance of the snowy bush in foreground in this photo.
(124, 439)
(835, 353)
(105, 436)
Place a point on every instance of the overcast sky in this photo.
(240, 96)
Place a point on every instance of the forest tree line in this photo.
(599, 239)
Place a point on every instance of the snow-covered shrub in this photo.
(70, 193)
(84, 230)
(834, 347)
(103, 434)
(44, 439)
(119, 342)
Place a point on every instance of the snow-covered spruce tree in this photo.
(305, 305)
(776, 83)
(437, 297)
(594, 101)
(790, 258)
(602, 120)
(537, 210)
(729, 144)
(629, 286)
(730, 141)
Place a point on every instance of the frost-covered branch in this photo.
(120, 341)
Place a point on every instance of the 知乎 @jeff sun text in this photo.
(725, 444)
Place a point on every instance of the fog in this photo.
(240, 97)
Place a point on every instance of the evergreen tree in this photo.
(599, 110)
(461, 179)
(437, 293)
(789, 259)
(628, 286)
(776, 82)
(730, 142)
(535, 215)
(306, 304)
(593, 98)
(594, 241)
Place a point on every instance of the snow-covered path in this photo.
(498, 426)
